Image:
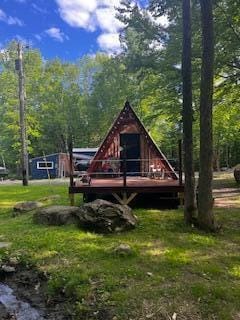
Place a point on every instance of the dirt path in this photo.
(227, 197)
(59, 181)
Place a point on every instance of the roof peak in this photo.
(127, 104)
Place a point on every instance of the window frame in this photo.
(46, 167)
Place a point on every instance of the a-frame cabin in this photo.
(129, 140)
(128, 163)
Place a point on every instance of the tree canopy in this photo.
(85, 96)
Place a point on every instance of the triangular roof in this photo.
(126, 114)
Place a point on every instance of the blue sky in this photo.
(66, 29)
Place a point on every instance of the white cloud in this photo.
(161, 20)
(91, 15)
(38, 37)
(156, 45)
(109, 42)
(79, 18)
(107, 21)
(39, 9)
(78, 13)
(110, 3)
(86, 5)
(56, 34)
(9, 19)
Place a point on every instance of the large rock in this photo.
(123, 250)
(22, 207)
(236, 173)
(56, 215)
(3, 312)
(4, 245)
(98, 216)
(105, 217)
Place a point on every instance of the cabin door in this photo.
(130, 142)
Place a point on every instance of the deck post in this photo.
(181, 199)
(71, 198)
(124, 165)
(125, 200)
(180, 162)
(70, 147)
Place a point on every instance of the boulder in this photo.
(22, 207)
(123, 250)
(236, 173)
(4, 245)
(56, 215)
(8, 269)
(98, 216)
(105, 217)
(3, 312)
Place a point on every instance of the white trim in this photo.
(45, 162)
(85, 150)
(48, 155)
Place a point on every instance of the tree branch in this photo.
(229, 22)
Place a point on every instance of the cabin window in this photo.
(45, 165)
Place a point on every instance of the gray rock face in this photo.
(123, 249)
(56, 215)
(236, 173)
(8, 269)
(22, 207)
(4, 245)
(3, 312)
(105, 217)
(98, 216)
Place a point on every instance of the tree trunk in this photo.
(22, 113)
(187, 113)
(205, 199)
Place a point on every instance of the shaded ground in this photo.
(226, 191)
(30, 285)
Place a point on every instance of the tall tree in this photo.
(187, 113)
(205, 199)
(22, 118)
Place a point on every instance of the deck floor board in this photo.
(134, 184)
(131, 181)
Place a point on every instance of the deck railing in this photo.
(124, 168)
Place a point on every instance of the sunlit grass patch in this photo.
(235, 271)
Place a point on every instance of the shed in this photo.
(53, 165)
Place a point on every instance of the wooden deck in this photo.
(133, 184)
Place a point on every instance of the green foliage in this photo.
(84, 97)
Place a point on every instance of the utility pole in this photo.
(22, 114)
(187, 113)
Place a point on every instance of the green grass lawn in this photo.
(172, 268)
